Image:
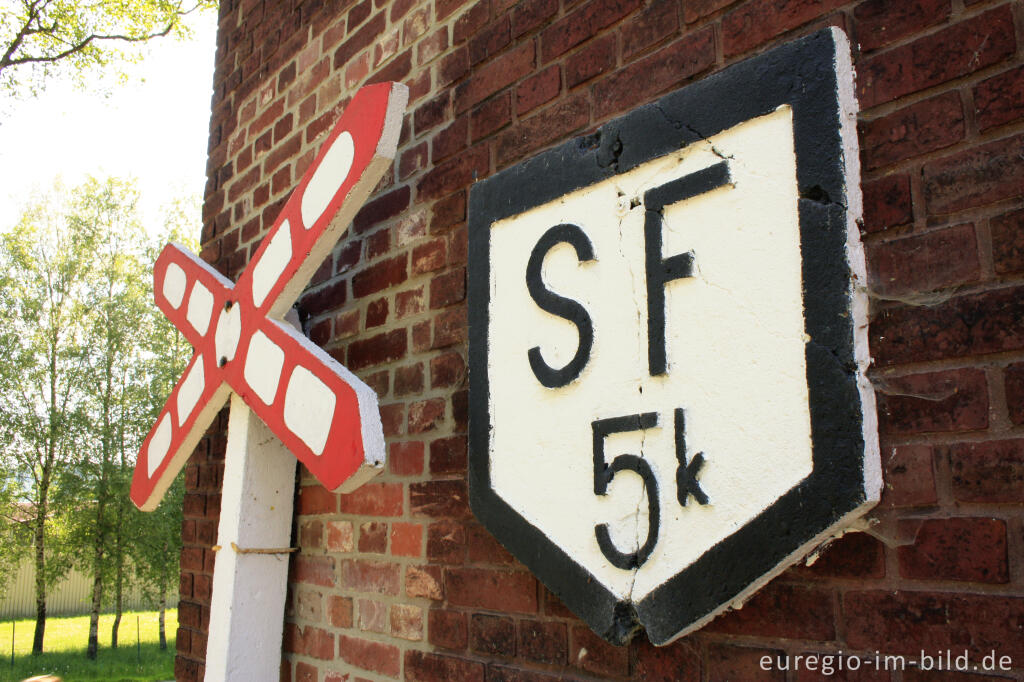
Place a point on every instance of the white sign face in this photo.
(668, 367)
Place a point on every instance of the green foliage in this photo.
(40, 39)
(91, 363)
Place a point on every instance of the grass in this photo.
(64, 649)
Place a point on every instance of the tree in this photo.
(46, 269)
(39, 38)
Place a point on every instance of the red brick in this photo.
(961, 49)
(413, 160)
(432, 46)
(377, 312)
(758, 22)
(663, 70)
(652, 25)
(543, 641)
(727, 662)
(453, 67)
(373, 537)
(976, 177)
(954, 400)
(188, 614)
(972, 550)
(494, 590)
(449, 328)
(989, 322)
(309, 641)
(909, 622)
(597, 57)
(491, 116)
(315, 570)
(406, 539)
(439, 499)
(677, 663)
(697, 9)
(339, 611)
(591, 653)
(360, 40)
(494, 76)
(448, 288)
(383, 347)
(324, 299)
(543, 128)
(538, 89)
(431, 114)
(392, 418)
(489, 41)
(470, 22)
(424, 581)
(485, 549)
(429, 256)
(381, 209)
(304, 672)
(999, 99)
(405, 458)
(315, 499)
(451, 140)
(408, 380)
(373, 499)
(407, 622)
(373, 615)
(529, 14)
(370, 576)
(1008, 242)
(923, 127)
(991, 471)
(373, 656)
(311, 534)
(1014, 381)
(446, 542)
(781, 610)
(447, 629)
(490, 635)
(887, 203)
(922, 262)
(502, 673)
(454, 174)
(424, 667)
(583, 24)
(880, 23)
(380, 276)
(448, 212)
(909, 477)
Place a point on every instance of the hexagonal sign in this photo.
(668, 341)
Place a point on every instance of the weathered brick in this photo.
(491, 116)
(383, 347)
(446, 542)
(316, 570)
(370, 576)
(490, 40)
(663, 70)
(853, 555)
(1008, 242)
(494, 76)
(377, 314)
(309, 641)
(382, 208)
(923, 127)
(425, 667)
(448, 288)
(408, 380)
(978, 324)
(909, 476)
(781, 610)
(439, 499)
(373, 615)
(954, 400)
(429, 256)
(454, 174)
(424, 581)
(880, 23)
(505, 673)
(380, 276)
(529, 14)
(538, 89)
(407, 622)
(975, 177)
(922, 263)
(453, 67)
(406, 539)
(1000, 99)
(495, 590)
(373, 656)
(887, 203)
(542, 128)
(911, 621)
(591, 653)
(451, 140)
(361, 39)
(405, 458)
(1013, 377)
(582, 24)
(447, 370)
(426, 415)
(955, 51)
(449, 328)
(597, 57)
(373, 537)
(339, 611)
(757, 22)
(543, 641)
(491, 635)
(485, 549)
(967, 549)
(470, 22)
(988, 472)
(447, 629)
(373, 499)
(448, 212)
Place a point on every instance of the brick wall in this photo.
(397, 580)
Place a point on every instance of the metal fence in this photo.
(70, 596)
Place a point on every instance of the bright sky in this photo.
(155, 130)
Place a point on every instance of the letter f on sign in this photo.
(318, 409)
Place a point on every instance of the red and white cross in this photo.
(319, 410)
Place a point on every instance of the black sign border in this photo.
(802, 74)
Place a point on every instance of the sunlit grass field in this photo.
(65, 642)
